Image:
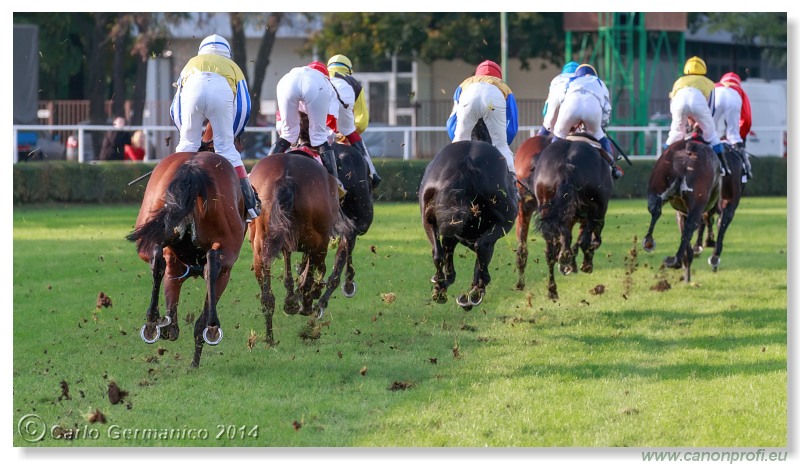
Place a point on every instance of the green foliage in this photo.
(108, 182)
(766, 29)
(368, 38)
(699, 365)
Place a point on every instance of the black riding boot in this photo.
(725, 169)
(280, 146)
(251, 203)
(748, 170)
(359, 145)
(328, 158)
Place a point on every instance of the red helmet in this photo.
(731, 77)
(319, 66)
(489, 68)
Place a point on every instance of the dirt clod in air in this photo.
(96, 417)
(103, 301)
(115, 394)
(400, 386)
(661, 285)
(598, 290)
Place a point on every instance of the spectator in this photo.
(113, 146)
(135, 151)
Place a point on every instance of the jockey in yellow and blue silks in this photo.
(558, 86)
(485, 95)
(693, 96)
(353, 117)
(211, 86)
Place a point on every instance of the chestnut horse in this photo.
(524, 164)
(300, 213)
(191, 223)
(732, 191)
(466, 196)
(572, 183)
(687, 175)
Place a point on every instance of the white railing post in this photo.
(406, 144)
(81, 158)
(16, 146)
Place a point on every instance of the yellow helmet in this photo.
(340, 63)
(694, 66)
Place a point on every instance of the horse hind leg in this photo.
(484, 251)
(566, 257)
(342, 254)
(151, 331)
(523, 224)
(349, 285)
(654, 205)
(725, 220)
(292, 303)
(551, 253)
(207, 328)
(588, 241)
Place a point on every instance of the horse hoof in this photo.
(472, 300)
(649, 244)
(552, 293)
(290, 308)
(587, 268)
(349, 289)
(439, 297)
(713, 261)
(321, 312)
(671, 262)
(463, 301)
(212, 335)
(565, 269)
(148, 335)
(520, 285)
(698, 249)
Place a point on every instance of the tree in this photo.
(768, 30)
(367, 38)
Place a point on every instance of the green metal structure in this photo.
(629, 56)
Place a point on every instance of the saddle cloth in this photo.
(307, 151)
(581, 138)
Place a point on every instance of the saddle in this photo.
(307, 151)
(586, 138)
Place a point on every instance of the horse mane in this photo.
(188, 183)
(480, 133)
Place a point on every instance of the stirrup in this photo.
(251, 215)
(342, 190)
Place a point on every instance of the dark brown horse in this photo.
(191, 223)
(524, 164)
(732, 191)
(687, 175)
(572, 183)
(300, 213)
(466, 196)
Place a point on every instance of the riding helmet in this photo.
(340, 63)
(215, 44)
(489, 68)
(569, 67)
(731, 78)
(319, 66)
(585, 69)
(695, 66)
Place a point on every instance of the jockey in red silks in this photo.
(693, 96)
(733, 116)
(485, 96)
(353, 117)
(308, 89)
(211, 86)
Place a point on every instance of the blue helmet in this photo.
(585, 69)
(569, 67)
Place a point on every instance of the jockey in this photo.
(555, 96)
(310, 88)
(485, 95)
(353, 115)
(733, 116)
(211, 86)
(586, 101)
(693, 96)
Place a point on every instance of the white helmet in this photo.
(215, 44)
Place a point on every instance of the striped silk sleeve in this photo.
(241, 111)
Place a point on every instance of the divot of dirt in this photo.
(400, 386)
(662, 285)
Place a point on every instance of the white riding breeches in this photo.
(486, 101)
(580, 106)
(690, 102)
(728, 111)
(312, 89)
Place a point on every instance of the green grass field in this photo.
(701, 364)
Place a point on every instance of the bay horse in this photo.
(524, 164)
(466, 196)
(191, 223)
(572, 183)
(300, 213)
(730, 195)
(357, 204)
(687, 175)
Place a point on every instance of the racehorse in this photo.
(572, 184)
(191, 223)
(300, 213)
(524, 164)
(687, 176)
(357, 202)
(466, 196)
(731, 193)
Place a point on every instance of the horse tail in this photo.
(480, 133)
(280, 217)
(188, 183)
(558, 211)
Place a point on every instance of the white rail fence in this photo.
(772, 140)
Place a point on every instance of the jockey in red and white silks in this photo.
(585, 100)
(485, 96)
(733, 116)
(211, 86)
(313, 89)
(555, 95)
